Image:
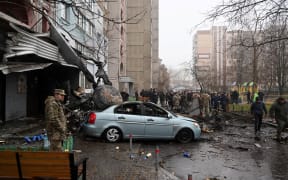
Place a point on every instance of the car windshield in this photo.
(171, 113)
(164, 109)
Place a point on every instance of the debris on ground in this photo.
(212, 178)
(239, 148)
(186, 154)
(148, 155)
(257, 145)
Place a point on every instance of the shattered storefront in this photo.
(31, 67)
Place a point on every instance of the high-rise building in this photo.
(156, 62)
(142, 42)
(210, 57)
(116, 33)
(83, 26)
(219, 56)
(203, 57)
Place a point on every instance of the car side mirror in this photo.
(169, 116)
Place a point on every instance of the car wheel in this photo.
(185, 136)
(113, 134)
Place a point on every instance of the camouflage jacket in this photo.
(279, 111)
(55, 119)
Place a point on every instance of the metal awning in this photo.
(22, 67)
(24, 43)
(8, 18)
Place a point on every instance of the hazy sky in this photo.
(176, 22)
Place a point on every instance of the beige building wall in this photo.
(203, 56)
(219, 56)
(210, 52)
(203, 48)
(155, 44)
(142, 33)
(116, 32)
(231, 59)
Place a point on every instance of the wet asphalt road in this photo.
(229, 153)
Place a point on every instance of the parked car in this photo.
(142, 120)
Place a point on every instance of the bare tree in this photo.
(277, 58)
(258, 12)
(202, 76)
(164, 79)
(256, 16)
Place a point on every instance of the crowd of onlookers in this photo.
(178, 101)
(187, 101)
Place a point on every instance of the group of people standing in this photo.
(149, 95)
(251, 97)
(57, 128)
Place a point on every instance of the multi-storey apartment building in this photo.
(219, 56)
(30, 63)
(83, 26)
(202, 51)
(156, 62)
(133, 44)
(210, 55)
(34, 62)
(142, 42)
(222, 61)
(116, 32)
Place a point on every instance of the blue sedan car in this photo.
(141, 120)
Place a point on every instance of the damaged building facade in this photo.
(46, 45)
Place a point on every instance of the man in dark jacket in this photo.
(257, 109)
(235, 97)
(248, 95)
(279, 111)
(223, 102)
(125, 96)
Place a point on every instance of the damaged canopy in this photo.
(68, 53)
(22, 67)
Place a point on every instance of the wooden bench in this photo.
(41, 165)
(8, 165)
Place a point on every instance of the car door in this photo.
(130, 120)
(158, 125)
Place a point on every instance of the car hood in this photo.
(186, 118)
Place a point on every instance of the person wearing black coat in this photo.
(258, 108)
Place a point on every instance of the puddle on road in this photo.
(212, 163)
(232, 158)
(278, 161)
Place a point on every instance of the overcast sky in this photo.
(177, 19)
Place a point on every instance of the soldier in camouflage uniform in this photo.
(205, 101)
(55, 119)
(176, 102)
(279, 111)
